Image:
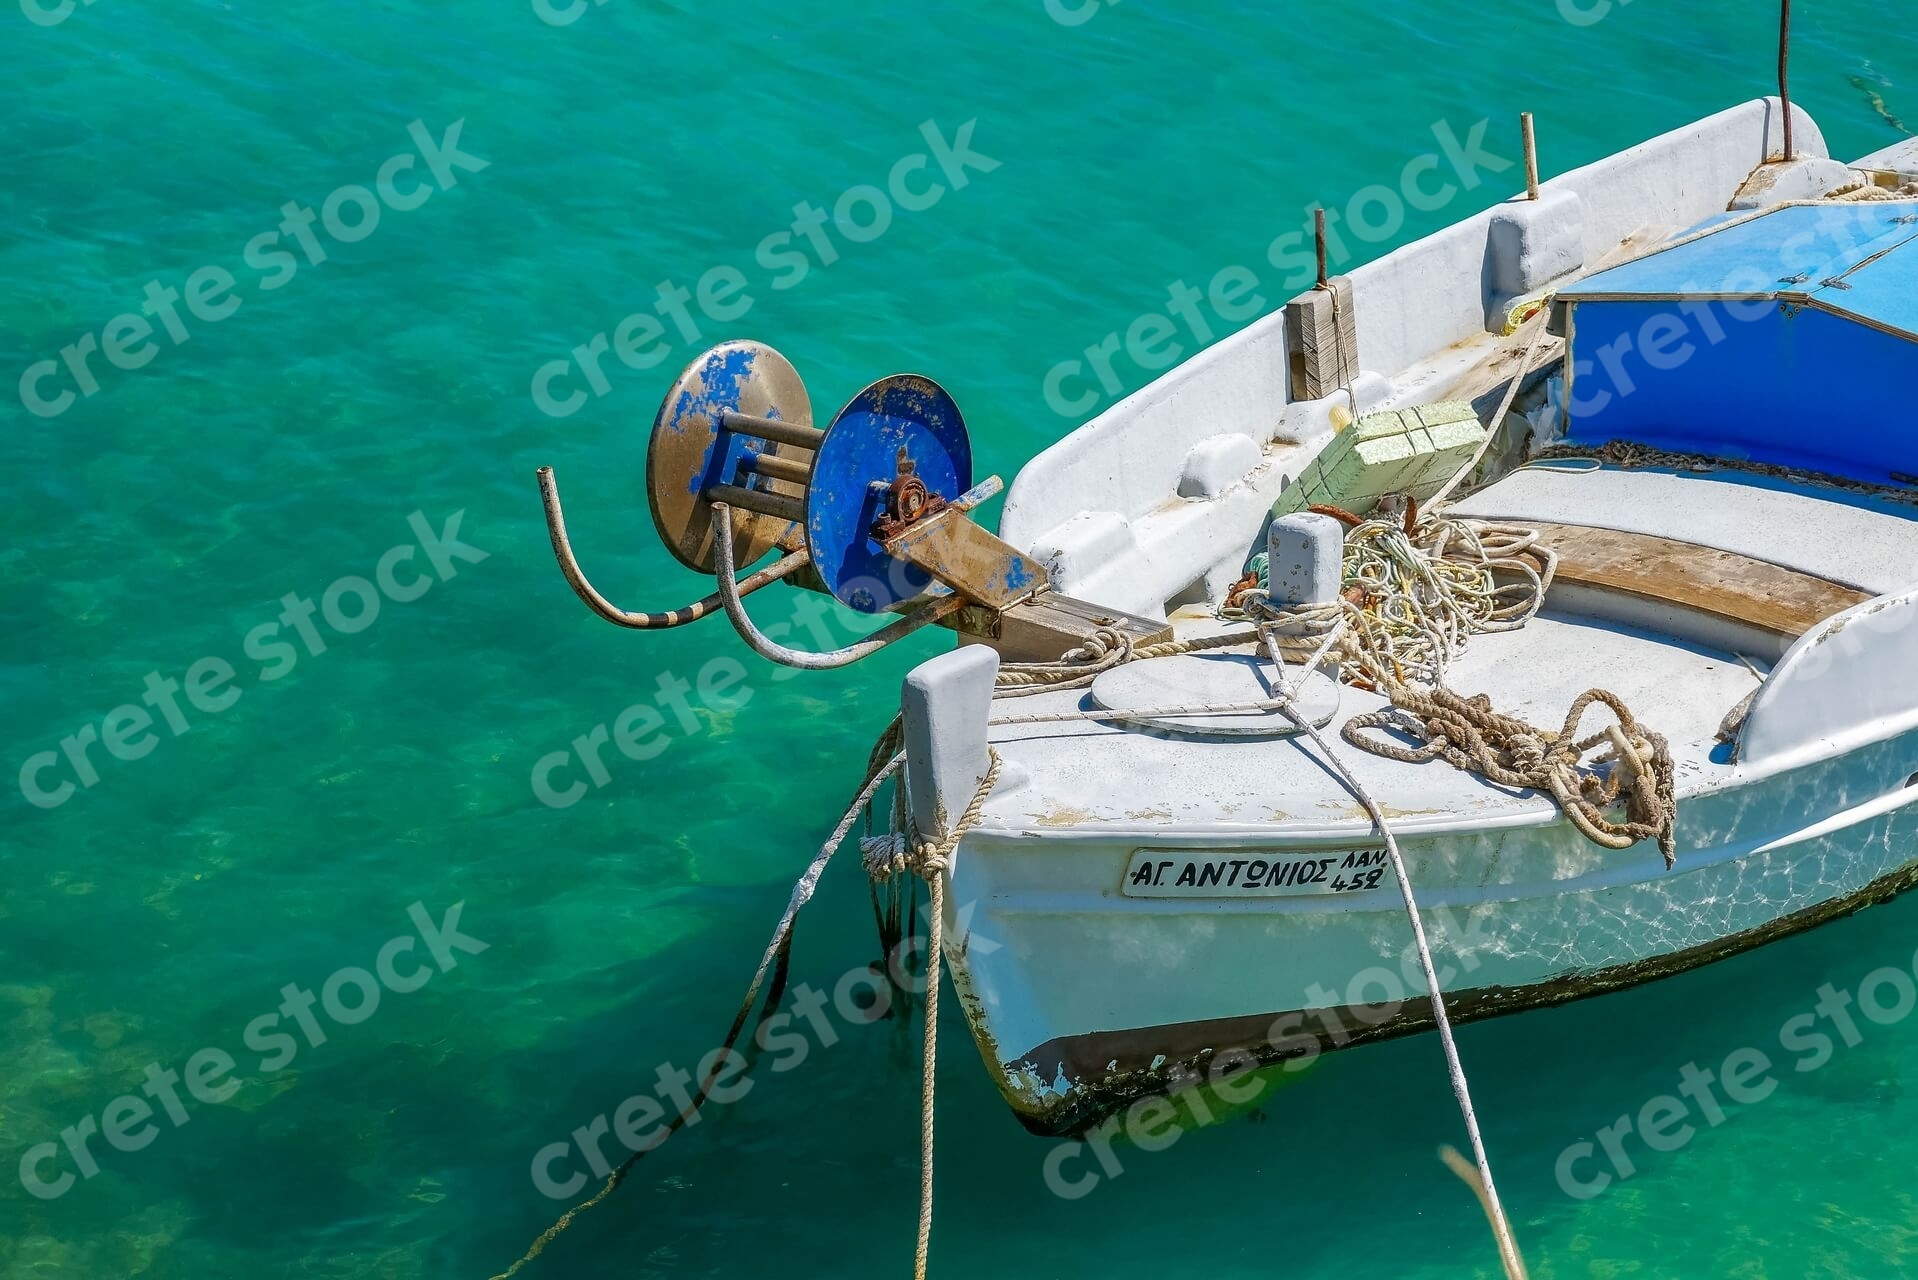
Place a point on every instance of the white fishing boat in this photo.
(1660, 398)
(1757, 617)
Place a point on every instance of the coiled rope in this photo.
(1411, 598)
(1413, 592)
(1853, 192)
(1467, 734)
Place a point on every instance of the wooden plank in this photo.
(1321, 337)
(1483, 385)
(1042, 628)
(1722, 584)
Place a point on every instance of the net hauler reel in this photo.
(873, 510)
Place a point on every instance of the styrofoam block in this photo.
(1411, 450)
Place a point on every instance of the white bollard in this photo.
(1304, 552)
(946, 703)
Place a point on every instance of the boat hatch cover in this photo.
(1787, 337)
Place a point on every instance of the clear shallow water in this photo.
(157, 522)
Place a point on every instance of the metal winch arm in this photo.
(730, 592)
(599, 604)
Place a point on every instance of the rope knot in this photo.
(1527, 753)
(884, 856)
(1098, 645)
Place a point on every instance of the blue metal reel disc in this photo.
(690, 451)
(904, 418)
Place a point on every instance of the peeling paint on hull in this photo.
(1111, 1070)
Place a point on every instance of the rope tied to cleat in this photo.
(932, 862)
(1414, 591)
(887, 857)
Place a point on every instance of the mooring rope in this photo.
(1141, 713)
(776, 952)
(1105, 649)
(1501, 1225)
(935, 940)
(932, 863)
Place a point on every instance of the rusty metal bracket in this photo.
(976, 564)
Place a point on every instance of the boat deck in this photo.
(1096, 778)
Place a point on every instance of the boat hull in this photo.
(1083, 999)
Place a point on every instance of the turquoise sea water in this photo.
(282, 838)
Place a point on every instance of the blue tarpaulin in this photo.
(1788, 336)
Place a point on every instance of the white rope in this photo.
(1501, 1226)
(1143, 713)
(1410, 601)
(1540, 323)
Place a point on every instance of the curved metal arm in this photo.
(599, 604)
(730, 592)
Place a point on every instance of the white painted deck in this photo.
(1098, 778)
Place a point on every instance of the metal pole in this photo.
(776, 468)
(776, 505)
(599, 604)
(1784, 57)
(1531, 155)
(773, 429)
(1318, 237)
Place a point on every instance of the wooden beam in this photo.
(1721, 584)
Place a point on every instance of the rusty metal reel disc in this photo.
(900, 420)
(689, 451)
